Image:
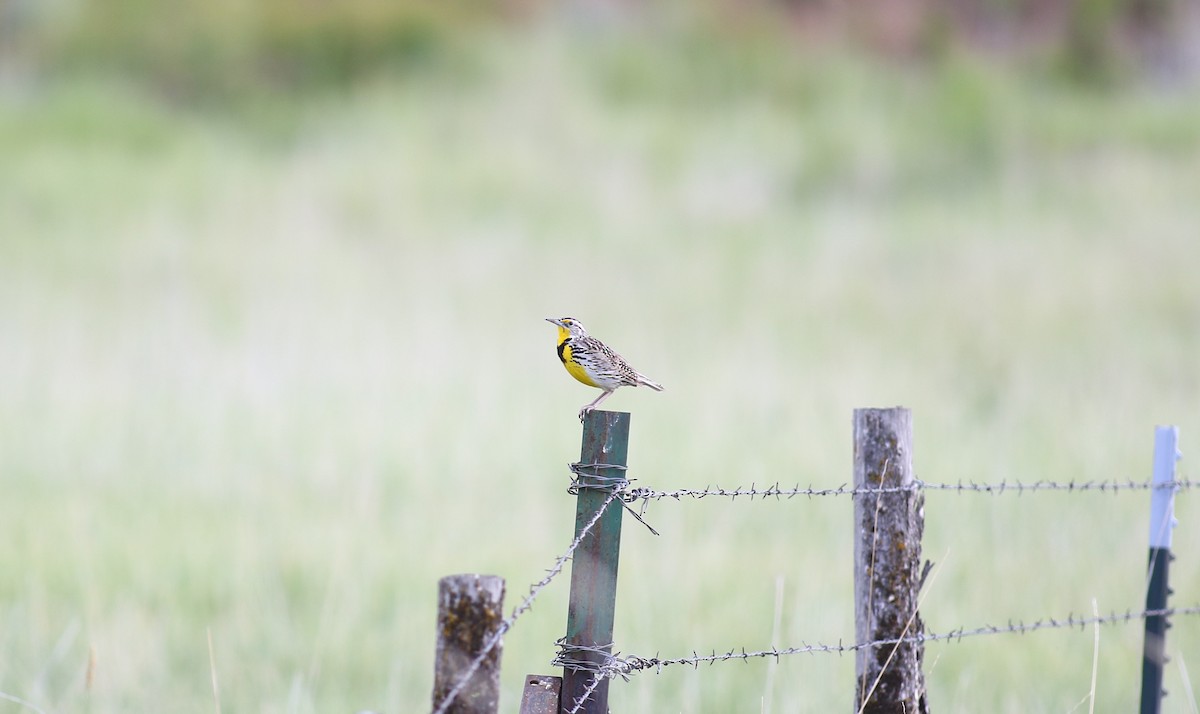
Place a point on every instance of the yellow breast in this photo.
(577, 371)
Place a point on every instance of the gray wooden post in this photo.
(593, 600)
(1162, 522)
(887, 564)
(470, 611)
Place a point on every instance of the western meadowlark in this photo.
(592, 362)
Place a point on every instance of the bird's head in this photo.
(567, 327)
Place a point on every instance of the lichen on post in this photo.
(470, 611)
(887, 564)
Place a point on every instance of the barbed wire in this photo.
(610, 666)
(618, 487)
(534, 590)
(587, 692)
(780, 492)
(602, 482)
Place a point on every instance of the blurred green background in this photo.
(272, 357)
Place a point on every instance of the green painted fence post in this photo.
(594, 564)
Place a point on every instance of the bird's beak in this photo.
(552, 320)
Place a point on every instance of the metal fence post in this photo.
(594, 565)
(541, 694)
(887, 564)
(470, 611)
(1162, 522)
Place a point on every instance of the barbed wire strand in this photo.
(615, 665)
(615, 490)
(1018, 487)
(619, 487)
(587, 692)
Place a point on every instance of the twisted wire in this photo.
(571, 656)
(1018, 487)
(624, 667)
(604, 482)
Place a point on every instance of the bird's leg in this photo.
(595, 403)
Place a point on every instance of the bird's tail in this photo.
(644, 381)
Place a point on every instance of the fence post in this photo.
(470, 610)
(541, 695)
(1162, 521)
(887, 564)
(594, 564)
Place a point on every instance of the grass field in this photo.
(268, 372)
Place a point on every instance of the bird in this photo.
(594, 363)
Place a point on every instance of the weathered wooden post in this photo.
(1162, 522)
(470, 612)
(887, 564)
(594, 566)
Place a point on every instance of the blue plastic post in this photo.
(1162, 523)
